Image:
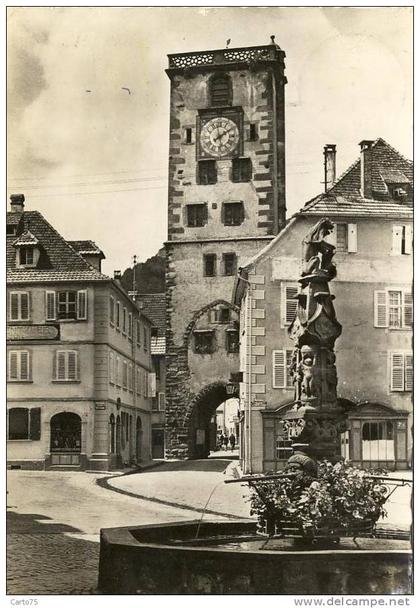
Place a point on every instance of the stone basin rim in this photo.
(124, 536)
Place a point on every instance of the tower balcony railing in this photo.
(225, 56)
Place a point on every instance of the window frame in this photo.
(226, 98)
(194, 208)
(240, 215)
(66, 353)
(231, 334)
(207, 177)
(206, 333)
(19, 294)
(18, 353)
(80, 305)
(407, 382)
(402, 239)
(242, 170)
(382, 307)
(286, 354)
(225, 256)
(33, 424)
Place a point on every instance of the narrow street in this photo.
(53, 523)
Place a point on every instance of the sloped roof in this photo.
(154, 307)
(384, 159)
(86, 247)
(58, 260)
(26, 238)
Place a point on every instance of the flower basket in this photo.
(342, 502)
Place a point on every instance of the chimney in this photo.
(366, 168)
(17, 203)
(329, 165)
(117, 276)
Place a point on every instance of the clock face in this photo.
(219, 136)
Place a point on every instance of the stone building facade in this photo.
(79, 367)
(371, 206)
(226, 200)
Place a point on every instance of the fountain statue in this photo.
(313, 501)
(316, 420)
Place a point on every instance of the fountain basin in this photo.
(229, 558)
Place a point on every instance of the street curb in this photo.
(103, 483)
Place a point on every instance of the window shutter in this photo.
(72, 365)
(14, 307)
(381, 309)
(35, 424)
(50, 307)
(60, 373)
(205, 213)
(152, 385)
(24, 365)
(352, 238)
(408, 239)
(397, 372)
(111, 367)
(82, 304)
(408, 309)
(25, 306)
(279, 369)
(161, 401)
(408, 372)
(13, 365)
(396, 240)
(290, 305)
(289, 378)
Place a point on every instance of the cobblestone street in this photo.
(53, 523)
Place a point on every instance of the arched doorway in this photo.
(139, 432)
(65, 438)
(200, 439)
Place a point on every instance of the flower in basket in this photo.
(342, 497)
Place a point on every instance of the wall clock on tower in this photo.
(220, 135)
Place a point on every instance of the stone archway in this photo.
(196, 381)
(203, 409)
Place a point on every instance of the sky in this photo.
(92, 156)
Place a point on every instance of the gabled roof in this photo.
(58, 261)
(26, 238)
(387, 164)
(344, 199)
(86, 248)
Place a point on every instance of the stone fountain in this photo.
(229, 557)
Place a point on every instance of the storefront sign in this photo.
(33, 332)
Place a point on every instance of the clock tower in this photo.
(226, 200)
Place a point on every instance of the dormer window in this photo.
(27, 250)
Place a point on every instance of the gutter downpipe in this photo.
(248, 409)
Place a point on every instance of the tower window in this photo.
(233, 213)
(209, 264)
(196, 215)
(207, 172)
(220, 90)
(241, 170)
(188, 135)
(253, 133)
(204, 342)
(229, 264)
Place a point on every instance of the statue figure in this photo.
(300, 462)
(317, 253)
(310, 374)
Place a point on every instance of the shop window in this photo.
(378, 441)
(233, 213)
(203, 342)
(207, 172)
(241, 170)
(25, 423)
